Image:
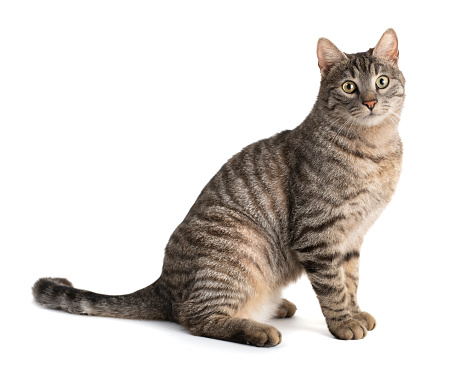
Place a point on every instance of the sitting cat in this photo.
(298, 202)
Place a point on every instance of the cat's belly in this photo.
(261, 306)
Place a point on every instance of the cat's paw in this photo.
(349, 329)
(264, 336)
(286, 309)
(366, 319)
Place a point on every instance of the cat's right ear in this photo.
(328, 55)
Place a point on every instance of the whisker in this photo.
(341, 128)
(394, 113)
(394, 117)
(391, 117)
(349, 128)
(335, 121)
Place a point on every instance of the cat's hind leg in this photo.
(236, 329)
(231, 312)
(229, 321)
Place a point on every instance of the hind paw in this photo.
(286, 309)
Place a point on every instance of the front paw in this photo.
(366, 319)
(349, 329)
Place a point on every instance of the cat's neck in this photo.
(379, 139)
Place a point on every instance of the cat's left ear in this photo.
(387, 47)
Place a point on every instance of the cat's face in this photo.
(364, 88)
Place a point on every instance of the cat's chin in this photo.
(371, 120)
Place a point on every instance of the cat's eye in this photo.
(382, 82)
(349, 87)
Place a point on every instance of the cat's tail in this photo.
(146, 304)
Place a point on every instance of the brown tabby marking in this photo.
(298, 202)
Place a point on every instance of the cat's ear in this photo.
(328, 55)
(387, 47)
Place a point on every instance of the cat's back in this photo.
(240, 222)
(254, 182)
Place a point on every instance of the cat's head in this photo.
(366, 88)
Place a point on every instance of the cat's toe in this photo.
(267, 336)
(349, 329)
(367, 319)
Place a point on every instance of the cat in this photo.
(298, 202)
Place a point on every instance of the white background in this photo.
(114, 115)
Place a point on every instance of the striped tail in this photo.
(144, 304)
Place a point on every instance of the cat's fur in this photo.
(298, 202)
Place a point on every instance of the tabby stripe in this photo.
(356, 153)
(233, 260)
(341, 301)
(214, 278)
(239, 208)
(350, 255)
(338, 97)
(261, 195)
(210, 309)
(319, 228)
(344, 317)
(329, 137)
(210, 292)
(351, 276)
(265, 190)
(355, 195)
(313, 267)
(215, 217)
(162, 291)
(174, 253)
(208, 295)
(267, 178)
(325, 290)
(313, 248)
(255, 209)
(329, 258)
(222, 235)
(215, 241)
(215, 263)
(341, 163)
(225, 180)
(333, 309)
(329, 275)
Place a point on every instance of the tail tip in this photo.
(42, 289)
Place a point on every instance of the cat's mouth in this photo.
(371, 119)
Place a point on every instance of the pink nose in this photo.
(370, 104)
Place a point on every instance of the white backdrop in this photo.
(115, 114)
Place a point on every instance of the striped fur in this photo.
(298, 202)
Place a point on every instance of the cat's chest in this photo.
(370, 191)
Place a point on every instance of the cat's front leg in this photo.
(327, 277)
(351, 270)
(333, 298)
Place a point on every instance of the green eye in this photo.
(349, 87)
(382, 82)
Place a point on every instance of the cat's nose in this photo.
(370, 104)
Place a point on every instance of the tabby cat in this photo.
(298, 202)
